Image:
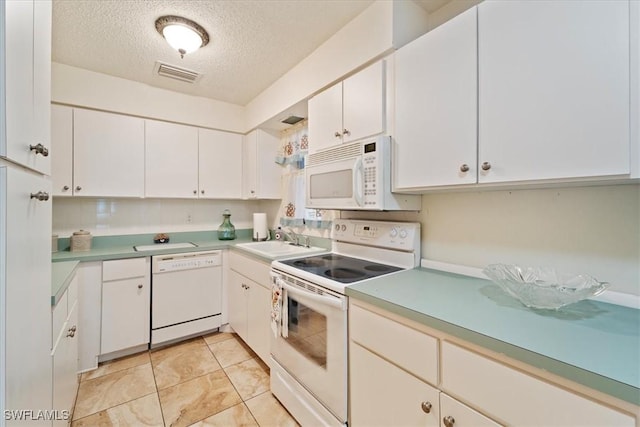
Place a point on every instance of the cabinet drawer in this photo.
(255, 270)
(408, 348)
(58, 317)
(462, 415)
(517, 398)
(72, 293)
(124, 269)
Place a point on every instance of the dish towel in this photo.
(276, 305)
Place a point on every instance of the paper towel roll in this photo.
(260, 229)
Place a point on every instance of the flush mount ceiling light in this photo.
(182, 34)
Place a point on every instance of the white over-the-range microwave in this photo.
(355, 176)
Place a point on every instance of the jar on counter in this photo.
(226, 231)
(81, 241)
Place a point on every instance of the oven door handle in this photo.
(331, 301)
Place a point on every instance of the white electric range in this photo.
(309, 353)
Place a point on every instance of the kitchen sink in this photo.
(163, 246)
(275, 248)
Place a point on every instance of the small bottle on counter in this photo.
(226, 231)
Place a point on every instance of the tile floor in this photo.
(215, 380)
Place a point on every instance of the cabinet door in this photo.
(27, 82)
(391, 397)
(108, 154)
(553, 89)
(455, 413)
(259, 320)
(89, 314)
(237, 304)
(62, 148)
(171, 160)
(269, 173)
(219, 164)
(25, 289)
(436, 106)
(125, 314)
(65, 367)
(363, 103)
(261, 174)
(325, 118)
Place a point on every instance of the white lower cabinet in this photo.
(125, 305)
(383, 394)
(454, 413)
(250, 303)
(517, 398)
(388, 386)
(65, 353)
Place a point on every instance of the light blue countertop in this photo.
(104, 248)
(592, 343)
(61, 275)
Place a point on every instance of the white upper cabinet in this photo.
(171, 160)
(350, 110)
(62, 147)
(219, 164)
(553, 89)
(108, 154)
(261, 174)
(436, 106)
(522, 92)
(26, 61)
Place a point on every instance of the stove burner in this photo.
(309, 262)
(344, 273)
(332, 257)
(377, 267)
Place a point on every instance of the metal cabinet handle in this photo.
(195, 191)
(346, 132)
(448, 421)
(41, 196)
(486, 166)
(78, 188)
(72, 332)
(40, 149)
(65, 188)
(426, 407)
(337, 134)
(201, 191)
(464, 167)
(73, 328)
(140, 286)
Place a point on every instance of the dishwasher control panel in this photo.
(186, 261)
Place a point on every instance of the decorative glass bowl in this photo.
(543, 287)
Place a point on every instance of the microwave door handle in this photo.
(330, 301)
(357, 182)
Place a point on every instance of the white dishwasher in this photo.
(186, 295)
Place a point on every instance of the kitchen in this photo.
(581, 228)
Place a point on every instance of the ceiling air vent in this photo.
(177, 73)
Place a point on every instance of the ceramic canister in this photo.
(80, 241)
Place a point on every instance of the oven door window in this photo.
(307, 331)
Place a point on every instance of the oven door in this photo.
(335, 185)
(312, 343)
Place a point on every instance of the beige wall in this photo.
(595, 230)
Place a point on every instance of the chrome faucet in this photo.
(291, 236)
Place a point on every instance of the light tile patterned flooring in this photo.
(214, 380)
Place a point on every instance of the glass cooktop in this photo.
(341, 268)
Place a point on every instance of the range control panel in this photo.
(186, 261)
(383, 234)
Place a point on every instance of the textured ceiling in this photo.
(253, 42)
